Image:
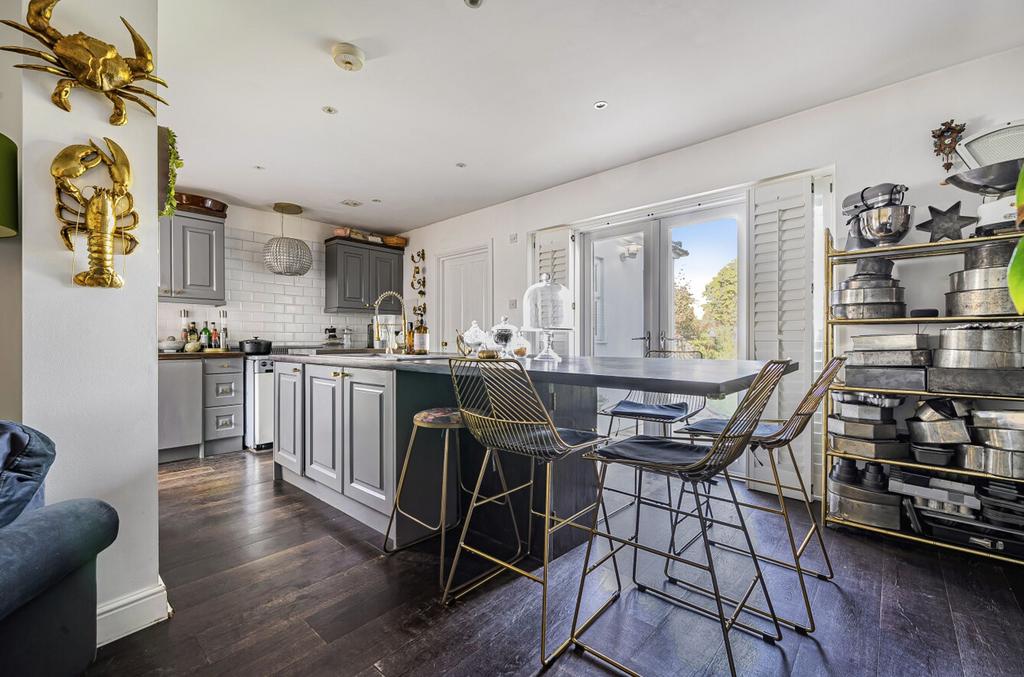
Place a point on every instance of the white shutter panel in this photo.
(781, 321)
(553, 253)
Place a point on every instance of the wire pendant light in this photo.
(287, 255)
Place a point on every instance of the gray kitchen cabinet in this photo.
(223, 423)
(192, 258)
(369, 437)
(222, 405)
(288, 415)
(356, 274)
(180, 406)
(324, 425)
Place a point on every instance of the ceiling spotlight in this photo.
(330, 110)
(352, 203)
(377, 201)
(347, 56)
(259, 167)
(460, 165)
(475, 4)
(600, 105)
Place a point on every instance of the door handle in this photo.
(340, 374)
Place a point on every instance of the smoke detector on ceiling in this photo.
(347, 56)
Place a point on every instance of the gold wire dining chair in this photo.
(502, 410)
(692, 464)
(773, 436)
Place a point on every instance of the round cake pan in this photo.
(868, 283)
(875, 265)
(971, 457)
(991, 255)
(976, 359)
(1000, 438)
(977, 278)
(854, 296)
(1001, 339)
(949, 431)
(869, 311)
(979, 302)
(996, 418)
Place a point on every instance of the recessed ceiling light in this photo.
(460, 165)
(352, 203)
(259, 167)
(600, 105)
(377, 201)
(330, 110)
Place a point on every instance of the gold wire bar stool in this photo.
(692, 464)
(447, 420)
(502, 410)
(773, 436)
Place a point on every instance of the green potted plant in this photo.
(1015, 271)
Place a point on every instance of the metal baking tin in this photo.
(854, 296)
(979, 302)
(986, 418)
(971, 457)
(946, 431)
(1001, 339)
(991, 255)
(866, 282)
(930, 455)
(889, 358)
(866, 412)
(938, 409)
(1004, 463)
(891, 342)
(875, 399)
(978, 278)
(882, 510)
(1000, 438)
(874, 265)
(865, 430)
(1004, 382)
(905, 378)
(977, 359)
(883, 449)
(869, 311)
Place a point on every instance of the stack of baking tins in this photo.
(999, 527)
(980, 289)
(870, 293)
(936, 429)
(864, 424)
(979, 359)
(896, 361)
(998, 444)
(932, 494)
(862, 497)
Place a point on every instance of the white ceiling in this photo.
(509, 88)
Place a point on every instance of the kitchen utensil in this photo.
(906, 378)
(889, 358)
(879, 195)
(874, 265)
(1000, 438)
(977, 359)
(875, 399)
(1003, 382)
(994, 179)
(255, 346)
(991, 255)
(977, 278)
(891, 342)
(883, 449)
(856, 296)
(865, 430)
(868, 282)
(207, 204)
(886, 225)
(869, 311)
(975, 337)
(993, 418)
(971, 457)
(170, 345)
(936, 409)
(865, 412)
(932, 455)
(864, 506)
(1004, 463)
(947, 431)
(874, 477)
(979, 302)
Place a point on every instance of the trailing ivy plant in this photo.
(174, 163)
(1015, 271)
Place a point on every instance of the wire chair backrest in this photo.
(805, 411)
(501, 407)
(733, 440)
(694, 402)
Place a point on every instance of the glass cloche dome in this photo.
(547, 308)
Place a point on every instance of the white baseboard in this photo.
(132, 612)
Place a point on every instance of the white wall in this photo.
(88, 358)
(275, 307)
(878, 136)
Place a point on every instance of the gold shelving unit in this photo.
(835, 258)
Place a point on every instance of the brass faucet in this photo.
(376, 319)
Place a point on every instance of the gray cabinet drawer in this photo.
(222, 365)
(222, 422)
(220, 390)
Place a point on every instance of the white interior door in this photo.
(465, 285)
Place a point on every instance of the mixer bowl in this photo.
(886, 225)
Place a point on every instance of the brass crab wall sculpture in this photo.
(82, 60)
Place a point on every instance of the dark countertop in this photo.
(690, 377)
(197, 356)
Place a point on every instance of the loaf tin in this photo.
(865, 430)
(993, 418)
(971, 457)
(932, 455)
(882, 449)
(891, 342)
(1000, 438)
(865, 412)
(889, 358)
(1004, 463)
(947, 431)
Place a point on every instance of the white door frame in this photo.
(437, 262)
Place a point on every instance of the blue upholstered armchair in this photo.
(47, 563)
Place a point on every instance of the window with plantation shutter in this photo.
(780, 301)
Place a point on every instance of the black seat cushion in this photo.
(670, 413)
(715, 426)
(658, 450)
(542, 442)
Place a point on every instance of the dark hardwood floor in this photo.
(267, 580)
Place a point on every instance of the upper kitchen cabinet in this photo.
(192, 258)
(356, 274)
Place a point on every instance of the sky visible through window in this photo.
(712, 244)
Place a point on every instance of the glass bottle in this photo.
(193, 333)
(214, 336)
(421, 339)
(204, 335)
(410, 339)
(184, 326)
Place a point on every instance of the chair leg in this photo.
(810, 514)
(508, 502)
(398, 493)
(444, 507)
(714, 583)
(446, 595)
(544, 658)
(792, 545)
(636, 524)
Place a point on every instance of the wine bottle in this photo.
(193, 333)
(204, 335)
(421, 339)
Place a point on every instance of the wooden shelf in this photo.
(918, 250)
(919, 466)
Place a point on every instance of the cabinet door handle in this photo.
(165, 291)
(340, 374)
(296, 370)
(178, 291)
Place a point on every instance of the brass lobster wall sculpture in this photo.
(97, 217)
(82, 60)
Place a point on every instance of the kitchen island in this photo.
(343, 422)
